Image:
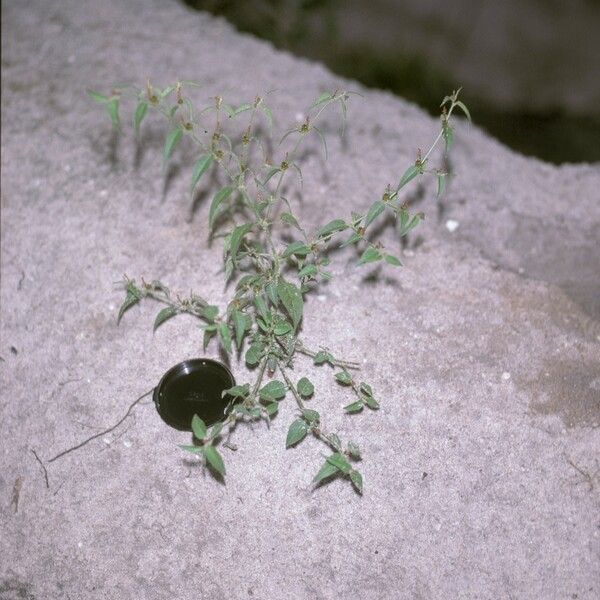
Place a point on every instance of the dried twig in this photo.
(42, 465)
(97, 435)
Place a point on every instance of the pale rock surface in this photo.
(487, 372)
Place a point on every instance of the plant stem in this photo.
(344, 364)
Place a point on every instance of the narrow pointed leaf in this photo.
(370, 255)
(357, 481)
(202, 165)
(225, 337)
(198, 427)
(332, 227)
(236, 239)
(140, 113)
(239, 324)
(130, 299)
(326, 471)
(97, 97)
(340, 462)
(213, 458)
(112, 107)
(215, 206)
(172, 139)
(163, 315)
(409, 174)
(376, 209)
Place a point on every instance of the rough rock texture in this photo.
(481, 467)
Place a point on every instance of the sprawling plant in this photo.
(250, 211)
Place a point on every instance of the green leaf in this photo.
(366, 389)
(354, 407)
(326, 471)
(210, 312)
(357, 481)
(344, 377)
(292, 300)
(198, 427)
(96, 96)
(163, 315)
(219, 197)
(236, 239)
(312, 416)
(272, 408)
(376, 209)
(237, 391)
(307, 271)
(371, 403)
(351, 240)
(448, 135)
(335, 441)
(268, 114)
(112, 107)
(289, 219)
(297, 249)
(242, 108)
(274, 390)
(132, 297)
(338, 460)
(463, 107)
(239, 324)
(441, 179)
(261, 306)
(209, 332)
(282, 328)
(332, 227)
(173, 138)
(225, 337)
(370, 255)
(140, 113)
(323, 357)
(296, 433)
(213, 458)
(392, 260)
(305, 387)
(409, 175)
(202, 165)
(354, 451)
(324, 97)
(406, 225)
(215, 430)
(253, 354)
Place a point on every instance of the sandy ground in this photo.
(481, 467)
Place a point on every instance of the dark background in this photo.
(530, 69)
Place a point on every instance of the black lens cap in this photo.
(193, 387)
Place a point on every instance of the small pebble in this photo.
(452, 225)
(506, 375)
(127, 444)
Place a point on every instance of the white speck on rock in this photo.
(506, 376)
(127, 443)
(321, 297)
(452, 225)
(80, 544)
(103, 193)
